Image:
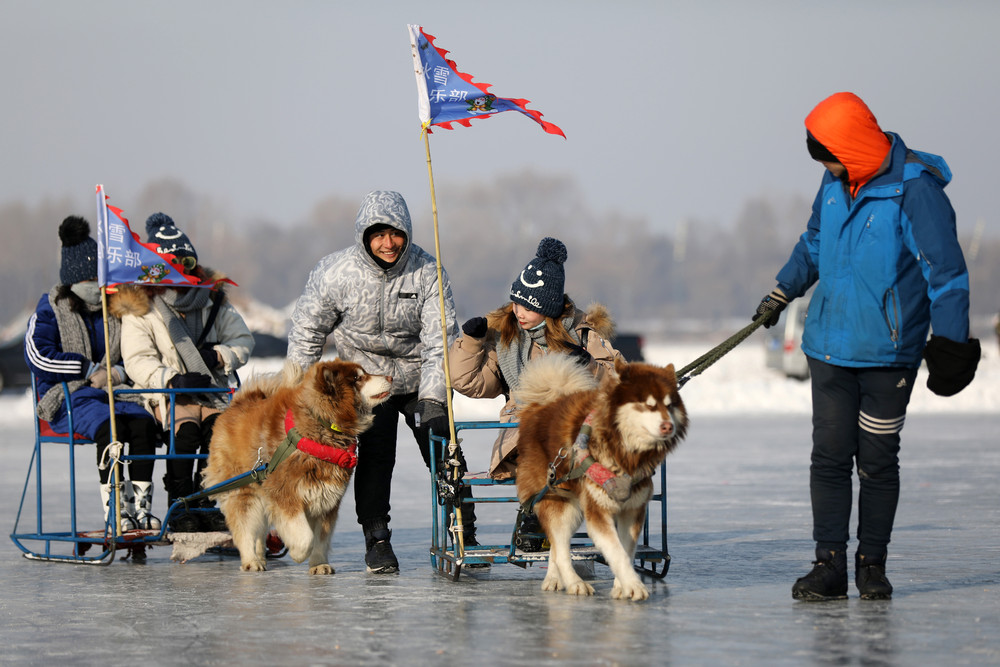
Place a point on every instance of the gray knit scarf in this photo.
(184, 331)
(75, 338)
(513, 358)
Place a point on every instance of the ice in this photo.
(739, 534)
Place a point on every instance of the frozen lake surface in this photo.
(739, 535)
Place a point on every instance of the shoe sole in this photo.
(876, 596)
(808, 596)
(386, 569)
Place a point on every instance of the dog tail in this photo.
(554, 375)
(264, 385)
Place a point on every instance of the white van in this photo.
(784, 341)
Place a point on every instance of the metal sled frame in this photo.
(652, 559)
(38, 541)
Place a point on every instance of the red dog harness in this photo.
(345, 458)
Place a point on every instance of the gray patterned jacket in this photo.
(387, 320)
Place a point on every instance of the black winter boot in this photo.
(180, 520)
(827, 580)
(379, 557)
(530, 537)
(869, 577)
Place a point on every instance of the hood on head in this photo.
(383, 207)
(847, 128)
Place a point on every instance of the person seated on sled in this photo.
(380, 299)
(183, 338)
(65, 342)
(488, 359)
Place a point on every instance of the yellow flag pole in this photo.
(458, 535)
(115, 469)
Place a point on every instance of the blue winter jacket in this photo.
(888, 266)
(51, 365)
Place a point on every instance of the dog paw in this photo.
(253, 566)
(580, 588)
(325, 568)
(551, 584)
(632, 591)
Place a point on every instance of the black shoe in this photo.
(212, 522)
(869, 577)
(826, 581)
(183, 521)
(379, 557)
(529, 536)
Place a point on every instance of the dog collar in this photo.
(345, 458)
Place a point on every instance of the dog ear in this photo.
(671, 373)
(620, 366)
(330, 377)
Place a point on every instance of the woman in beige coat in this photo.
(183, 338)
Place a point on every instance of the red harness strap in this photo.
(345, 458)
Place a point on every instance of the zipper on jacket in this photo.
(892, 322)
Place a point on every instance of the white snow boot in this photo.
(128, 522)
(143, 492)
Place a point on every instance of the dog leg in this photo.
(319, 557)
(629, 524)
(560, 520)
(297, 535)
(247, 521)
(602, 531)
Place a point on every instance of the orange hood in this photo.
(845, 125)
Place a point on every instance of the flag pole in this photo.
(458, 535)
(102, 229)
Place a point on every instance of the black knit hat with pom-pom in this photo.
(540, 286)
(79, 251)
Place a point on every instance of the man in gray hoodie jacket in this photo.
(379, 298)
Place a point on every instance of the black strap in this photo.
(212, 314)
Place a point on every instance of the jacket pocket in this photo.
(890, 310)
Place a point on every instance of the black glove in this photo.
(190, 381)
(771, 307)
(434, 417)
(210, 357)
(475, 327)
(950, 365)
(579, 354)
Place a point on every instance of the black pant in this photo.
(377, 458)
(140, 434)
(858, 414)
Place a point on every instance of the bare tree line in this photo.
(646, 273)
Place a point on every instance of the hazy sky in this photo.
(672, 109)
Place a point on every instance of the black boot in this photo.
(180, 521)
(827, 580)
(530, 537)
(379, 557)
(869, 577)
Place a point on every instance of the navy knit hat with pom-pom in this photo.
(161, 230)
(540, 286)
(79, 251)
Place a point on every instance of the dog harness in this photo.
(345, 458)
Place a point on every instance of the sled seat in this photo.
(447, 557)
(53, 532)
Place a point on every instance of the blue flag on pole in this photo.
(446, 96)
(123, 259)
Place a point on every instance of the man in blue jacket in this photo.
(882, 249)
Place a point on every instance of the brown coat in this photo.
(475, 370)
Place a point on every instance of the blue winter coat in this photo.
(51, 365)
(888, 263)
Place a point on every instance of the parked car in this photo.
(14, 373)
(269, 345)
(784, 341)
(630, 345)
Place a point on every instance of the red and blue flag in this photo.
(446, 96)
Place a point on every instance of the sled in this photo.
(49, 527)
(651, 556)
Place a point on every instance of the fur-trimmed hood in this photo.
(596, 316)
(138, 299)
